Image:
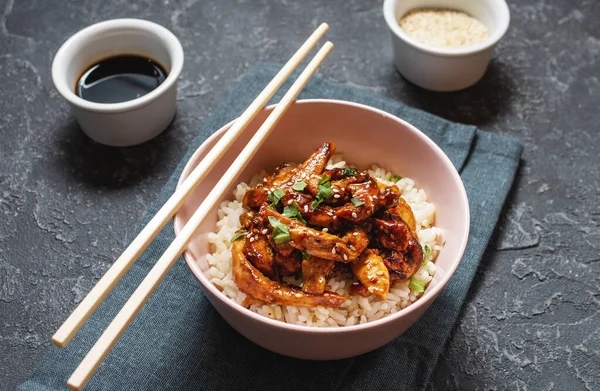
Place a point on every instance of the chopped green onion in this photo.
(393, 178)
(417, 285)
(299, 186)
(237, 236)
(305, 255)
(348, 171)
(356, 202)
(426, 253)
(316, 203)
(275, 196)
(293, 212)
(281, 233)
(324, 179)
(324, 191)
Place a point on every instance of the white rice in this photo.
(356, 309)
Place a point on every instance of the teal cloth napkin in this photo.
(179, 342)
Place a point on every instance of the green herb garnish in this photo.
(275, 196)
(299, 186)
(426, 253)
(324, 191)
(356, 202)
(393, 178)
(316, 203)
(348, 171)
(324, 179)
(305, 255)
(417, 285)
(281, 233)
(237, 236)
(293, 213)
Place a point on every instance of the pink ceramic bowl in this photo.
(366, 136)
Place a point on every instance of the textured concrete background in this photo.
(68, 206)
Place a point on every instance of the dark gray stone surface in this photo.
(68, 206)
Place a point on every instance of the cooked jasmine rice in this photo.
(356, 309)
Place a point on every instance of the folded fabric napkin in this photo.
(179, 342)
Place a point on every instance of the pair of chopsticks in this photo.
(134, 304)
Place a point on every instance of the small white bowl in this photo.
(441, 69)
(134, 121)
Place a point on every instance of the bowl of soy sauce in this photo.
(120, 78)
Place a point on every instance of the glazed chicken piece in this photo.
(315, 164)
(259, 194)
(246, 219)
(365, 193)
(259, 252)
(288, 265)
(373, 274)
(321, 244)
(393, 233)
(404, 211)
(388, 196)
(314, 274)
(402, 265)
(403, 254)
(256, 285)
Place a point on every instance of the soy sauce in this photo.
(119, 79)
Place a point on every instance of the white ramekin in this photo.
(445, 69)
(131, 122)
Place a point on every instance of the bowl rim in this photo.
(389, 11)
(422, 301)
(160, 33)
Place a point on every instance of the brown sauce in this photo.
(120, 79)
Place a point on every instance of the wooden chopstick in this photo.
(107, 340)
(93, 299)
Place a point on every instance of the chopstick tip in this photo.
(59, 339)
(74, 387)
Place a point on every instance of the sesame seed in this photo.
(335, 190)
(336, 196)
(251, 240)
(290, 202)
(326, 294)
(355, 234)
(329, 214)
(264, 231)
(354, 215)
(345, 257)
(305, 208)
(298, 295)
(380, 273)
(333, 250)
(325, 229)
(265, 180)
